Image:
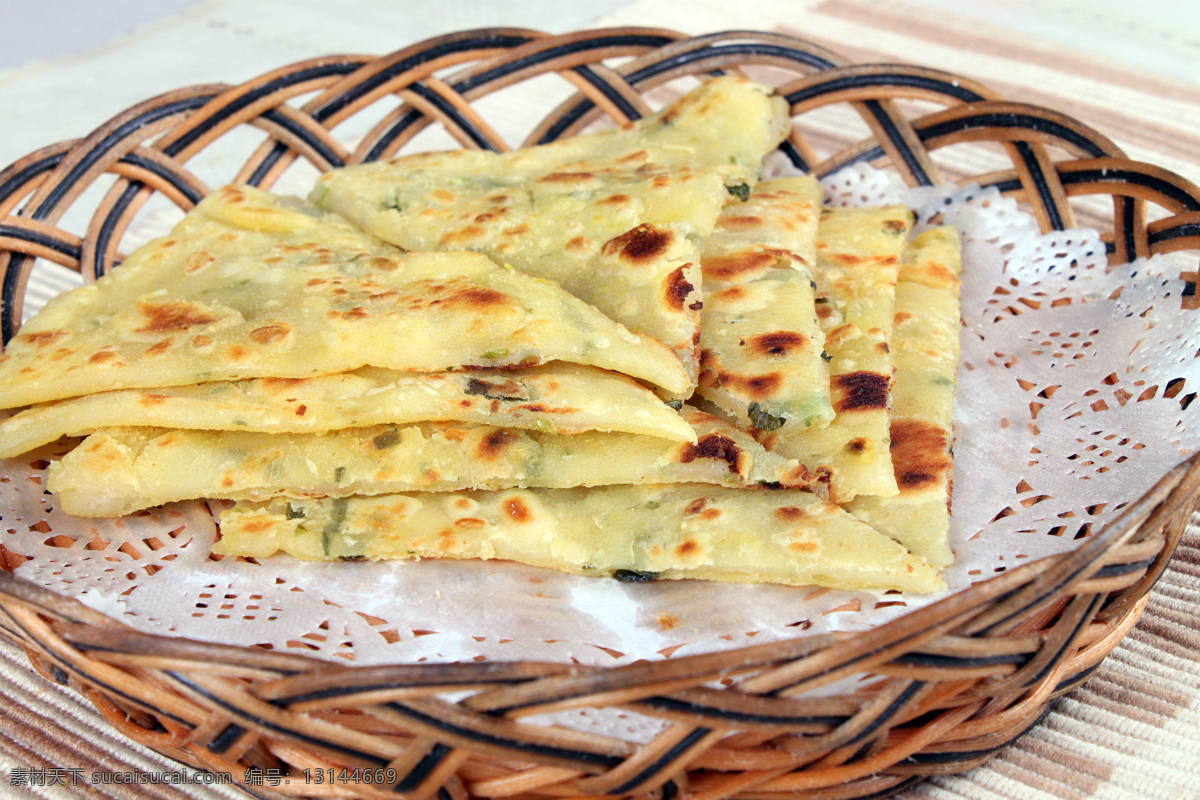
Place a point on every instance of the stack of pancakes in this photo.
(618, 354)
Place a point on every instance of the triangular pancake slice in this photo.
(251, 285)
(925, 348)
(631, 532)
(614, 217)
(762, 358)
(117, 471)
(858, 260)
(557, 397)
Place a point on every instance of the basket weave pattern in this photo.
(954, 681)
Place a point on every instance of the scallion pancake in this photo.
(616, 217)
(117, 471)
(632, 532)
(250, 285)
(858, 260)
(762, 358)
(557, 397)
(925, 348)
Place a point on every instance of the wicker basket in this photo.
(956, 680)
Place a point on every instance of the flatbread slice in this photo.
(557, 397)
(925, 347)
(858, 260)
(117, 471)
(615, 217)
(762, 358)
(250, 285)
(630, 532)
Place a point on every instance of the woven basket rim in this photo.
(71, 641)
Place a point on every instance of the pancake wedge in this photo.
(858, 260)
(615, 217)
(557, 397)
(761, 344)
(632, 532)
(117, 471)
(925, 347)
(250, 285)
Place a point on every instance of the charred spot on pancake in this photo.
(475, 296)
(857, 445)
(789, 513)
(488, 216)
(920, 453)
(102, 355)
(739, 263)
(42, 339)
(566, 177)
(517, 510)
(678, 289)
(258, 526)
(942, 274)
(198, 261)
(854, 260)
(461, 236)
(277, 384)
(802, 546)
(742, 222)
(756, 386)
(173, 315)
(696, 506)
(779, 343)
(352, 315)
(151, 399)
(270, 334)
(432, 294)
(731, 294)
(236, 352)
(495, 442)
(687, 547)
(579, 244)
(717, 446)
(640, 245)
(860, 391)
(542, 408)
(158, 348)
